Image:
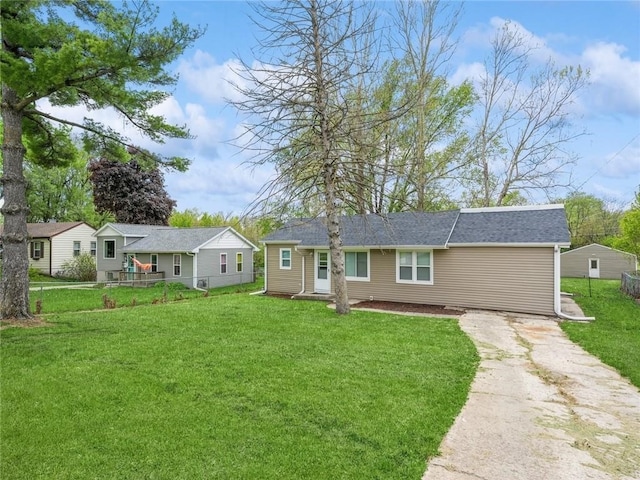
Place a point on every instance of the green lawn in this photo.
(614, 337)
(58, 300)
(229, 387)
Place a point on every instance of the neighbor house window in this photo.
(239, 262)
(154, 262)
(177, 263)
(414, 267)
(109, 249)
(223, 263)
(356, 265)
(37, 250)
(76, 248)
(285, 258)
(93, 248)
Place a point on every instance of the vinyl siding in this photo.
(62, 245)
(43, 264)
(512, 279)
(575, 263)
(282, 280)
(228, 240)
(209, 266)
(518, 279)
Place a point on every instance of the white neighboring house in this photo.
(52, 244)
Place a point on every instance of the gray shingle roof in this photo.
(168, 239)
(532, 225)
(512, 226)
(404, 228)
(133, 230)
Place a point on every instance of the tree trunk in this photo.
(335, 242)
(14, 290)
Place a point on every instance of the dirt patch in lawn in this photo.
(23, 323)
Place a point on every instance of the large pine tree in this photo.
(93, 53)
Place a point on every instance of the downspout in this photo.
(303, 265)
(556, 290)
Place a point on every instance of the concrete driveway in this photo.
(541, 408)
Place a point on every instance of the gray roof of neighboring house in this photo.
(133, 230)
(169, 239)
(509, 225)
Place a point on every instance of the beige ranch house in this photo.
(500, 258)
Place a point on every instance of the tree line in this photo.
(354, 110)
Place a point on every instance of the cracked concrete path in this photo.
(540, 408)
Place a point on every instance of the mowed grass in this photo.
(58, 300)
(614, 336)
(230, 386)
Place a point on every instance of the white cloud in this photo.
(624, 164)
(213, 81)
(615, 79)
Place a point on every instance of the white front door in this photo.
(322, 272)
(594, 268)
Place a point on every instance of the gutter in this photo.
(556, 290)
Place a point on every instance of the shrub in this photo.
(81, 268)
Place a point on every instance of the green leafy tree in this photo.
(90, 53)
(629, 239)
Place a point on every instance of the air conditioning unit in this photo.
(202, 283)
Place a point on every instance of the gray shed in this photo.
(597, 261)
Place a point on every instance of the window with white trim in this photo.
(109, 249)
(414, 266)
(154, 262)
(93, 248)
(177, 265)
(356, 265)
(285, 258)
(37, 250)
(223, 263)
(76, 248)
(239, 262)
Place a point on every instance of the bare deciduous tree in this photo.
(524, 126)
(298, 103)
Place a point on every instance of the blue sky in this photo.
(602, 36)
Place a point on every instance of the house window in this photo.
(594, 263)
(154, 262)
(414, 267)
(109, 249)
(37, 250)
(93, 248)
(177, 263)
(285, 258)
(76, 248)
(223, 263)
(239, 262)
(356, 265)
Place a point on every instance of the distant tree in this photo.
(131, 193)
(589, 218)
(91, 53)
(629, 239)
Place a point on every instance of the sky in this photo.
(601, 36)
